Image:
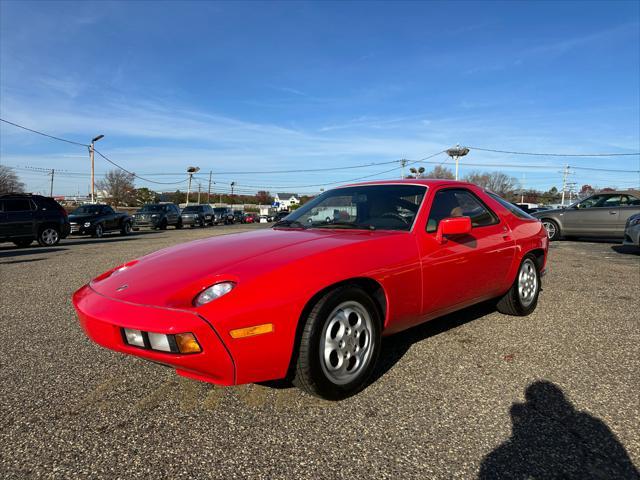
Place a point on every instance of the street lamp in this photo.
(93, 183)
(191, 171)
(417, 172)
(457, 152)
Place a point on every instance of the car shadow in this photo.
(26, 260)
(394, 347)
(6, 252)
(626, 249)
(83, 241)
(551, 439)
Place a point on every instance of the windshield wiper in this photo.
(289, 223)
(338, 223)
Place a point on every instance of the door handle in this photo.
(612, 212)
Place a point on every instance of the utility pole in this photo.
(403, 162)
(199, 188)
(191, 171)
(209, 190)
(51, 187)
(233, 184)
(564, 182)
(457, 152)
(93, 183)
(522, 189)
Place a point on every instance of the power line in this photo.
(44, 134)
(135, 175)
(556, 154)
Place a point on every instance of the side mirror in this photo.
(452, 226)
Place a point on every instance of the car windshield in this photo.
(194, 208)
(87, 210)
(151, 208)
(386, 207)
(220, 210)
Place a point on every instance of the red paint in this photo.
(277, 272)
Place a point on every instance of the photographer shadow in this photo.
(551, 439)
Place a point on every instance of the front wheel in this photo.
(178, 225)
(98, 232)
(126, 228)
(48, 237)
(522, 297)
(340, 344)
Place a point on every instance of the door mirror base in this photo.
(452, 226)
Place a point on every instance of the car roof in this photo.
(427, 182)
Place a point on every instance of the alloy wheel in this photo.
(346, 342)
(527, 282)
(49, 236)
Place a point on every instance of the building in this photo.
(283, 201)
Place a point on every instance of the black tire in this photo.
(312, 366)
(126, 228)
(98, 231)
(163, 225)
(48, 236)
(552, 228)
(23, 243)
(515, 303)
(178, 225)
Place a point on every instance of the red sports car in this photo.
(311, 297)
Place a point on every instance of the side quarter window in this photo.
(459, 202)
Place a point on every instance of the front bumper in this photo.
(102, 319)
(81, 230)
(190, 220)
(146, 223)
(632, 236)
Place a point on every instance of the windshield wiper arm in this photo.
(343, 224)
(289, 223)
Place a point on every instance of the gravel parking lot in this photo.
(474, 394)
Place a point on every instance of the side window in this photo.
(630, 201)
(612, 201)
(17, 205)
(592, 201)
(107, 210)
(458, 202)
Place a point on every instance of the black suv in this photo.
(25, 218)
(201, 215)
(157, 215)
(222, 215)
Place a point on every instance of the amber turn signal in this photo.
(187, 343)
(251, 331)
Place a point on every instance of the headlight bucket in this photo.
(213, 292)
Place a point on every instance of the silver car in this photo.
(600, 215)
(632, 231)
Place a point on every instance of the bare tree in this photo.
(497, 182)
(9, 181)
(118, 187)
(440, 172)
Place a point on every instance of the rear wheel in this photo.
(163, 225)
(340, 344)
(178, 225)
(522, 297)
(23, 243)
(552, 228)
(48, 237)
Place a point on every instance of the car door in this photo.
(594, 216)
(19, 214)
(110, 221)
(4, 223)
(465, 268)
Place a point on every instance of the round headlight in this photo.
(87, 224)
(213, 292)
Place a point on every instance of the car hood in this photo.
(169, 276)
(546, 213)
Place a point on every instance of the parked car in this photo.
(250, 218)
(157, 216)
(264, 219)
(197, 215)
(96, 220)
(222, 215)
(221, 315)
(280, 215)
(600, 215)
(25, 218)
(238, 216)
(632, 231)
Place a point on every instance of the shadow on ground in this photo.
(551, 439)
(18, 252)
(626, 249)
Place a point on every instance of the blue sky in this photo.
(261, 86)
